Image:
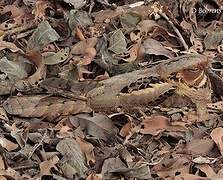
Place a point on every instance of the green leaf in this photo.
(58, 57)
(213, 39)
(73, 155)
(14, 70)
(117, 42)
(129, 21)
(76, 3)
(43, 35)
(80, 18)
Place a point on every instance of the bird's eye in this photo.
(194, 70)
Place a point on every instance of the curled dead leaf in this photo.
(80, 47)
(217, 136)
(89, 55)
(45, 166)
(33, 80)
(154, 125)
(10, 146)
(87, 148)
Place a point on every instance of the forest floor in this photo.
(107, 89)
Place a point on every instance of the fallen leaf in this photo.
(76, 3)
(88, 149)
(129, 21)
(212, 40)
(146, 26)
(10, 146)
(80, 47)
(113, 167)
(194, 146)
(217, 135)
(205, 168)
(99, 125)
(189, 177)
(79, 18)
(70, 149)
(32, 81)
(89, 55)
(6, 87)
(11, 46)
(43, 35)
(117, 42)
(9, 172)
(2, 164)
(154, 125)
(94, 176)
(45, 166)
(14, 70)
(58, 57)
(125, 131)
(152, 46)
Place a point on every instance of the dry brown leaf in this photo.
(99, 125)
(17, 18)
(154, 125)
(197, 44)
(89, 55)
(217, 136)
(133, 52)
(74, 158)
(80, 47)
(2, 178)
(93, 176)
(205, 168)
(40, 9)
(2, 164)
(153, 46)
(88, 150)
(125, 131)
(3, 114)
(172, 166)
(194, 146)
(79, 34)
(189, 177)
(33, 80)
(171, 40)
(9, 172)
(65, 131)
(146, 26)
(9, 145)
(10, 46)
(45, 166)
(20, 133)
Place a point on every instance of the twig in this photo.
(37, 145)
(20, 29)
(175, 29)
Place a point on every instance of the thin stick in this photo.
(175, 29)
(20, 29)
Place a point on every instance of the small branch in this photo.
(20, 29)
(175, 29)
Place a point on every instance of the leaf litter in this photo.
(52, 53)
